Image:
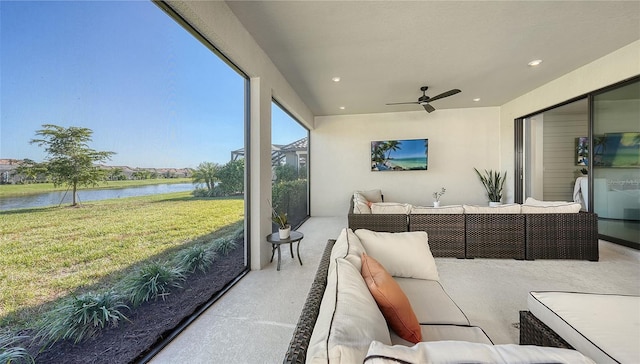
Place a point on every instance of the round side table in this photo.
(275, 241)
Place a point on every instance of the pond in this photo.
(55, 198)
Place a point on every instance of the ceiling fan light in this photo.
(476, 99)
(335, 79)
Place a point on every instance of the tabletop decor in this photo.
(437, 195)
(281, 219)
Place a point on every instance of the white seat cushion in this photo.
(457, 352)
(390, 208)
(430, 333)
(604, 327)
(451, 209)
(500, 209)
(430, 302)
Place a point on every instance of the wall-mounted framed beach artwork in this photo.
(617, 150)
(400, 155)
(582, 150)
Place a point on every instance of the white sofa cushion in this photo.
(404, 254)
(471, 334)
(431, 303)
(349, 319)
(604, 327)
(530, 201)
(390, 208)
(451, 209)
(566, 208)
(500, 209)
(360, 204)
(349, 247)
(442, 352)
(371, 195)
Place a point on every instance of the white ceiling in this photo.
(383, 51)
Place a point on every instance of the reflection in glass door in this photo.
(616, 163)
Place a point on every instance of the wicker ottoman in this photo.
(603, 327)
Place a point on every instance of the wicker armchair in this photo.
(446, 233)
(562, 236)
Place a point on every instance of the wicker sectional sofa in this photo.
(343, 321)
(495, 235)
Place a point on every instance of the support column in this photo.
(260, 171)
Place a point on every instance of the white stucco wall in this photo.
(459, 140)
(614, 67)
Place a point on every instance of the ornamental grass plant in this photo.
(152, 280)
(81, 317)
(10, 353)
(195, 258)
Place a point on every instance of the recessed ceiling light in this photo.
(534, 63)
(342, 108)
(476, 99)
(335, 79)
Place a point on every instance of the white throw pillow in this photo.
(441, 352)
(500, 209)
(371, 195)
(349, 247)
(451, 209)
(390, 208)
(348, 321)
(401, 254)
(566, 208)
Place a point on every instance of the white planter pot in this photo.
(494, 204)
(436, 203)
(284, 233)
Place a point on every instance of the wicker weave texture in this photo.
(562, 236)
(446, 233)
(393, 223)
(495, 236)
(535, 332)
(297, 352)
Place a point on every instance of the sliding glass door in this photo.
(616, 163)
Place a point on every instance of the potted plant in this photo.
(493, 182)
(437, 195)
(281, 219)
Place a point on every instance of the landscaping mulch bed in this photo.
(149, 323)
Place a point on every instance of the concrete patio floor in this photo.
(254, 321)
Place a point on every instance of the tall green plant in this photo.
(493, 182)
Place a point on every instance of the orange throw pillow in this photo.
(393, 303)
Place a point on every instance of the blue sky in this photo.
(147, 88)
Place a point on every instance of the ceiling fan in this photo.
(424, 100)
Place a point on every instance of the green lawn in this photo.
(50, 252)
(35, 188)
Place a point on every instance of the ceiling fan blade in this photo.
(445, 94)
(428, 108)
(403, 103)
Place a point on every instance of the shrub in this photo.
(195, 258)
(82, 317)
(12, 354)
(151, 281)
(224, 246)
(291, 197)
(216, 191)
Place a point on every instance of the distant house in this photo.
(294, 154)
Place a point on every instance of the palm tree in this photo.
(391, 146)
(207, 173)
